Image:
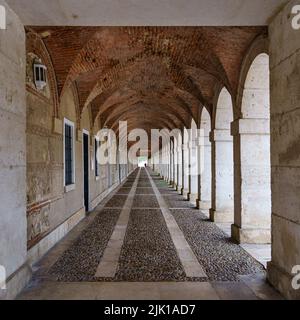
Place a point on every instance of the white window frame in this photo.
(42, 71)
(70, 187)
(86, 132)
(97, 177)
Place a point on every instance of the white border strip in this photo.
(190, 263)
(110, 260)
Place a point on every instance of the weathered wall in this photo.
(285, 151)
(12, 155)
(51, 211)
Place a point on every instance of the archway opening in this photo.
(222, 210)
(193, 163)
(142, 162)
(253, 211)
(205, 163)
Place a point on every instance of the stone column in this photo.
(172, 165)
(156, 163)
(175, 166)
(165, 164)
(162, 163)
(180, 171)
(167, 159)
(205, 184)
(193, 169)
(13, 225)
(186, 171)
(252, 190)
(222, 176)
(171, 169)
(285, 151)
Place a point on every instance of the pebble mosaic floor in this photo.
(148, 253)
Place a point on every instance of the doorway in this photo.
(86, 170)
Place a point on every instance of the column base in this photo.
(220, 217)
(282, 281)
(192, 197)
(203, 205)
(16, 283)
(250, 235)
(185, 193)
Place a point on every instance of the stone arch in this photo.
(222, 159)
(256, 91)
(223, 110)
(259, 46)
(252, 152)
(204, 201)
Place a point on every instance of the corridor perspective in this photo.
(146, 162)
(157, 244)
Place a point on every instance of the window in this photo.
(96, 159)
(40, 78)
(69, 156)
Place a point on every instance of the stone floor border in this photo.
(186, 255)
(109, 263)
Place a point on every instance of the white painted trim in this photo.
(69, 188)
(85, 132)
(96, 138)
(72, 186)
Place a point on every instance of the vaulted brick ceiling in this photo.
(153, 77)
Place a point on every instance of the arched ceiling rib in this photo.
(152, 77)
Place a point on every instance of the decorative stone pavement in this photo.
(145, 242)
(109, 262)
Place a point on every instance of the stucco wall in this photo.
(13, 251)
(285, 150)
(49, 206)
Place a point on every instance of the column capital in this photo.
(220, 135)
(193, 144)
(250, 127)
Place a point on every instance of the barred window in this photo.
(69, 153)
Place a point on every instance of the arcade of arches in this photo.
(216, 79)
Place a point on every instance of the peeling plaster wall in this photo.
(285, 151)
(48, 205)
